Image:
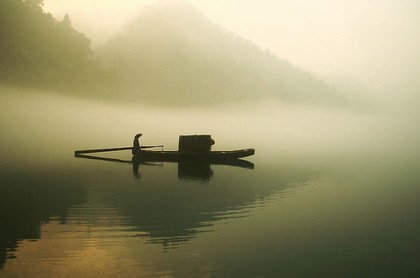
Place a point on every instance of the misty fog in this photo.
(36, 123)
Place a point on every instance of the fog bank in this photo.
(37, 123)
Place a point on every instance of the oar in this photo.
(113, 149)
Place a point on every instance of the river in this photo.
(329, 193)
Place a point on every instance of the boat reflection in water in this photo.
(202, 171)
(172, 215)
(187, 170)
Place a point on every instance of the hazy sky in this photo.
(374, 41)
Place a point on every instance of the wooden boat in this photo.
(184, 164)
(211, 156)
(191, 148)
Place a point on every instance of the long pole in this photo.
(102, 150)
(113, 149)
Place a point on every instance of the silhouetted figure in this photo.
(136, 144)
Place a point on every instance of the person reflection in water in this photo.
(135, 150)
(136, 144)
(136, 166)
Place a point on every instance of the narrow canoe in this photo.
(149, 155)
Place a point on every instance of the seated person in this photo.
(136, 144)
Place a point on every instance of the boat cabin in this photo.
(195, 143)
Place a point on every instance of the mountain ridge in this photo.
(171, 53)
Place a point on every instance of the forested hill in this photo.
(38, 50)
(171, 53)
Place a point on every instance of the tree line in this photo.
(39, 51)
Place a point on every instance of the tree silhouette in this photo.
(38, 50)
(35, 4)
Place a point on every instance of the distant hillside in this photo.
(173, 54)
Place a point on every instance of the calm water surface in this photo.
(328, 193)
